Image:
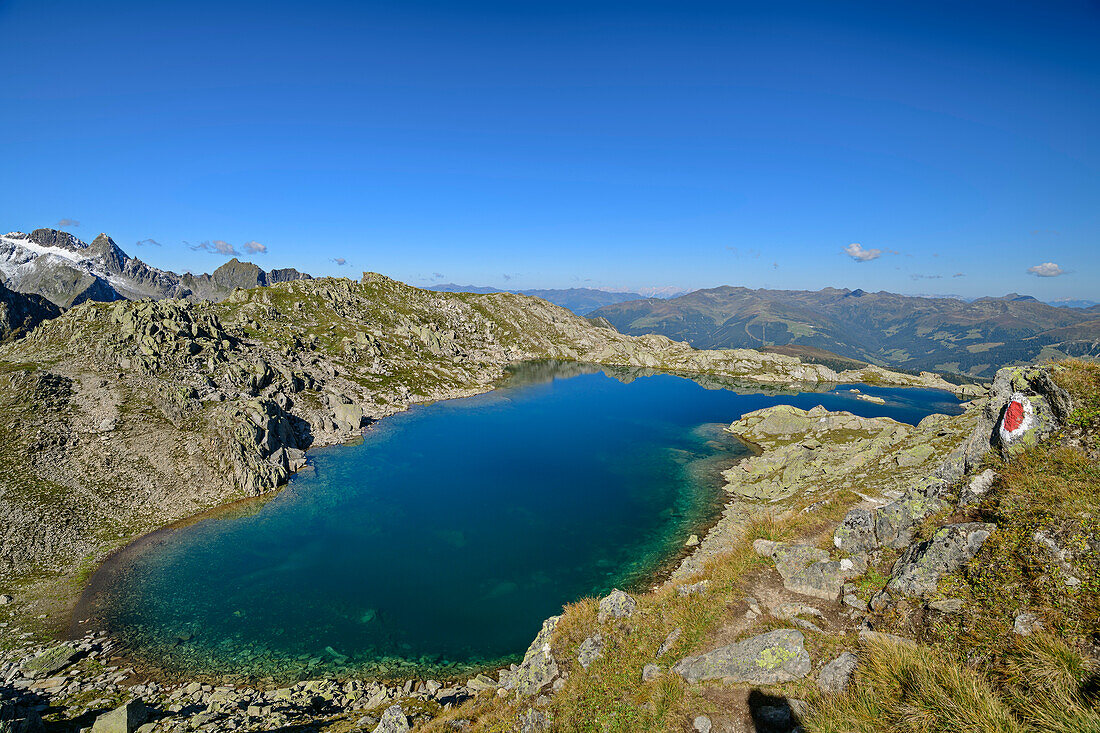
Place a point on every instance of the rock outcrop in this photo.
(918, 570)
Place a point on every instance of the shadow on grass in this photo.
(772, 713)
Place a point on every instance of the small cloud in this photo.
(146, 242)
(507, 277)
(926, 277)
(254, 247)
(859, 254)
(67, 223)
(1046, 269)
(959, 274)
(340, 261)
(215, 246)
(437, 276)
(1037, 232)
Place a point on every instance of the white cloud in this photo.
(340, 261)
(67, 223)
(216, 246)
(145, 242)
(859, 254)
(254, 247)
(1046, 269)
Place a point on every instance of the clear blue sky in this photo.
(558, 144)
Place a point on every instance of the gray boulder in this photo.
(590, 650)
(348, 418)
(651, 672)
(51, 661)
(616, 605)
(809, 571)
(701, 724)
(125, 719)
(1026, 624)
(977, 487)
(835, 676)
(672, 638)
(393, 720)
(539, 669)
(917, 572)
(767, 659)
(856, 533)
(895, 522)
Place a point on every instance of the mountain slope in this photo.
(581, 301)
(19, 313)
(941, 334)
(67, 271)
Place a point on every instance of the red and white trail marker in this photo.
(1018, 418)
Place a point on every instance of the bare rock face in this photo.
(767, 659)
(20, 312)
(590, 650)
(892, 525)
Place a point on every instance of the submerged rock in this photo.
(767, 659)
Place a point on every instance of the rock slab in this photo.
(767, 659)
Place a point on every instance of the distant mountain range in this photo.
(67, 271)
(939, 334)
(581, 301)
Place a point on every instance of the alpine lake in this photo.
(438, 544)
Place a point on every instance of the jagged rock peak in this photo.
(56, 238)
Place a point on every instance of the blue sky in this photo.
(559, 144)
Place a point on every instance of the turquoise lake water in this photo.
(440, 543)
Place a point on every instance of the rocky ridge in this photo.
(67, 272)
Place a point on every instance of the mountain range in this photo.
(67, 271)
(581, 301)
(917, 333)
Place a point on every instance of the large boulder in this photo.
(51, 661)
(615, 606)
(393, 720)
(917, 572)
(539, 669)
(808, 570)
(767, 659)
(891, 525)
(125, 719)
